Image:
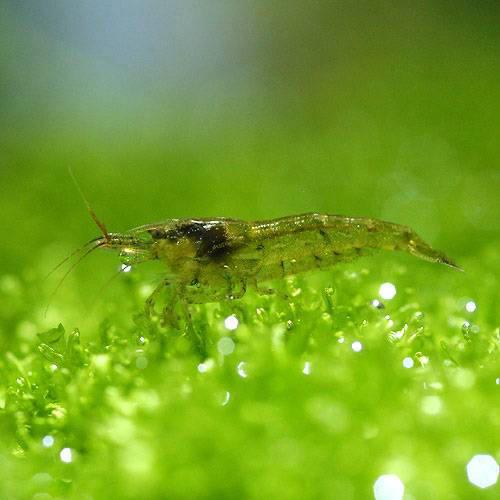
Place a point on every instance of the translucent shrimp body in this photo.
(213, 259)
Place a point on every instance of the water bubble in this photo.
(125, 268)
(48, 441)
(357, 346)
(408, 362)
(204, 367)
(307, 368)
(470, 306)
(377, 304)
(482, 471)
(66, 455)
(231, 322)
(387, 291)
(242, 369)
(388, 487)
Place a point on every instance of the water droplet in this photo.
(387, 291)
(125, 268)
(482, 471)
(470, 306)
(205, 366)
(357, 346)
(377, 304)
(231, 322)
(307, 368)
(66, 455)
(388, 487)
(48, 441)
(241, 369)
(408, 362)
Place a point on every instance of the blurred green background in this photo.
(252, 110)
(248, 109)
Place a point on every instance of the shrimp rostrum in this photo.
(215, 259)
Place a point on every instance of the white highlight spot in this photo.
(203, 367)
(126, 268)
(242, 369)
(341, 340)
(482, 471)
(470, 306)
(497, 381)
(388, 487)
(307, 368)
(377, 304)
(66, 455)
(225, 346)
(357, 346)
(408, 362)
(387, 291)
(227, 397)
(48, 441)
(231, 322)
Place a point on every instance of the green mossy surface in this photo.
(146, 417)
(389, 112)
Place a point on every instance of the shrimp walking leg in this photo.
(150, 301)
(190, 331)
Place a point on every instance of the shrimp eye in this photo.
(157, 234)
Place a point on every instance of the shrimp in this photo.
(216, 259)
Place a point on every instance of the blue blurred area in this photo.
(248, 109)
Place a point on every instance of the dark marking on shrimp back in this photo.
(210, 239)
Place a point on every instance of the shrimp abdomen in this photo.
(299, 243)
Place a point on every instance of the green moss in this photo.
(292, 412)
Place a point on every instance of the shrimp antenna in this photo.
(71, 255)
(99, 223)
(98, 243)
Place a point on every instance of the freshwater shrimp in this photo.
(216, 259)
